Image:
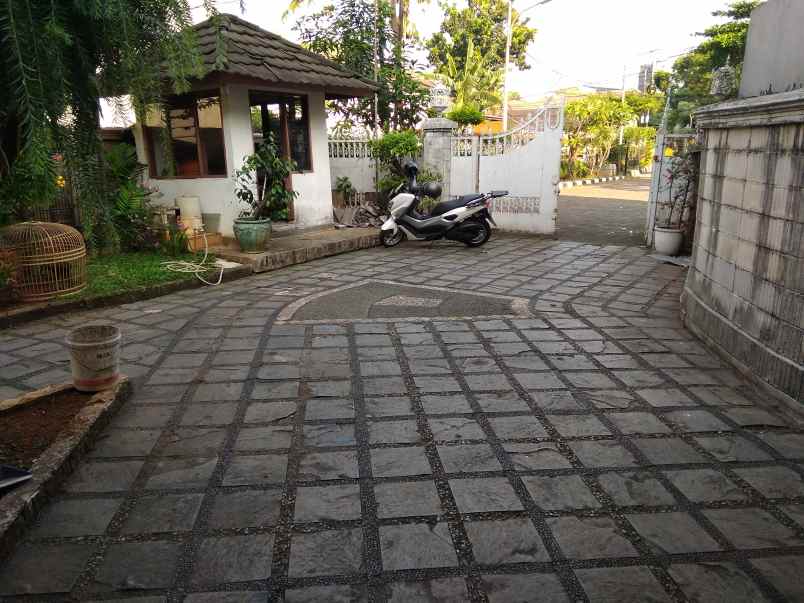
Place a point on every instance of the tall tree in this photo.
(692, 73)
(58, 59)
(360, 35)
(484, 22)
(591, 124)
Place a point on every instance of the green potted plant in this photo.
(264, 172)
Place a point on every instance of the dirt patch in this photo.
(27, 431)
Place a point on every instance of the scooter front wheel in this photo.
(389, 238)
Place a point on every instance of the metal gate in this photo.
(525, 161)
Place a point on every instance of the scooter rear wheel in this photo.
(389, 238)
(483, 235)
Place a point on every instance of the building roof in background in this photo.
(254, 53)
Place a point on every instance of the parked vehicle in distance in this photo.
(466, 218)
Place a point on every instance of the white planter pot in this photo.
(667, 241)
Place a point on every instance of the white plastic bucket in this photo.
(94, 357)
(189, 206)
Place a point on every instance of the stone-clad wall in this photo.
(744, 290)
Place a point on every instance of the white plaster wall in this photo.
(313, 207)
(314, 204)
(774, 54)
(359, 170)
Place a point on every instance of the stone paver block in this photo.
(603, 453)
(46, 568)
(672, 533)
(544, 455)
(233, 559)
(511, 428)
(328, 465)
(560, 492)
(752, 528)
(137, 565)
(705, 485)
(635, 489)
(506, 541)
(445, 430)
(732, 447)
(440, 590)
(103, 476)
(416, 546)
(406, 499)
(784, 573)
(341, 434)
(326, 553)
(163, 513)
(504, 588)
(476, 495)
(327, 503)
(468, 458)
(84, 517)
(723, 582)
(616, 584)
(774, 482)
(664, 451)
(253, 470)
(245, 508)
(590, 537)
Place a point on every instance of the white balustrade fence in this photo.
(524, 161)
(355, 160)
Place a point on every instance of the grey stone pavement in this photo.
(524, 422)
(612, 213)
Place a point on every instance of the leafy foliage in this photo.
(591, 126)
(265, 172)
(476, 84)
(465, 115)
(393, 148)
(130, 204)
(58, 59)
(482, 22)
(692, 73)
(344, 186)
(351, 33)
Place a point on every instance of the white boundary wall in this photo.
(526, 162)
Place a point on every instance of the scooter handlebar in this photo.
(499, 193)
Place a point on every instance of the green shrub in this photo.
(272, 198)
(466, 115)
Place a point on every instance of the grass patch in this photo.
(113, 274)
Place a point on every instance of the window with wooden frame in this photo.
(287, 118)
(185, 138)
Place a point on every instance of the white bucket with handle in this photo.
(94, 357)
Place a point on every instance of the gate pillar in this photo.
(437, 150)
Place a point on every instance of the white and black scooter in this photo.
(466, 219)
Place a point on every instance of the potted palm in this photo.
(260, 184)
(682, 178)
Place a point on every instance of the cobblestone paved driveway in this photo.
(566, 440)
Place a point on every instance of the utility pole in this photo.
(505, 77)
(622, 100)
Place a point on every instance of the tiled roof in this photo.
(253, 52)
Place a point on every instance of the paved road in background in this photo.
(607, 214)
(545, 430)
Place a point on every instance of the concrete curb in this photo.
(572, 183)
(20, 507)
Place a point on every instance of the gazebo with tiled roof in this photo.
(265, 86)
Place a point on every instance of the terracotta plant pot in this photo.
(252, 234)
(667, 241)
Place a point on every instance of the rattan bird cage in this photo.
(51, 259)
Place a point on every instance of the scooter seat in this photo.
(445, 206)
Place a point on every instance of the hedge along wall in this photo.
(743, 293)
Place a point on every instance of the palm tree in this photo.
(476, 85)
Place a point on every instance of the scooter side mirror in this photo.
(499, 193)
